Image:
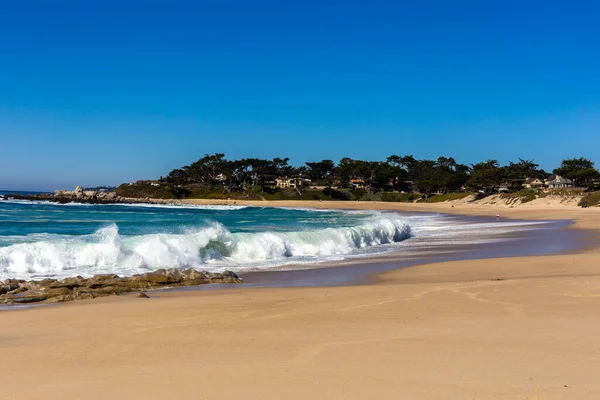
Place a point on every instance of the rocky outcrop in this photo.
(86, 196)
(13, 291)
(80, 194)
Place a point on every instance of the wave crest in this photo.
(106, 251)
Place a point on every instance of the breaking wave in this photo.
(211, 247)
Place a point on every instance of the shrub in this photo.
(143, 190)
(590, 200)
(399, 197)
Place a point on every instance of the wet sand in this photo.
(500, 328)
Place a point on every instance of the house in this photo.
(533, 183)
(503, 187)
(285, 182)
(558, 182)
(148, 182)
(221, 178)
(357, 183)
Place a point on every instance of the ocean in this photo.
(41, 239)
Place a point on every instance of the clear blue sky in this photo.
(119, 91)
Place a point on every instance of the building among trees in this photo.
(558, 182)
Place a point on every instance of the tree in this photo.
(345, 171)
(450, 174)
(398, 172)
(485, 176)
(321, 170)
(524, 169)
(281, 168)
(580, 170)
(178, 177)
(206, 169)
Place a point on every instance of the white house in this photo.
(503, 187)
(221, 178)
(558, 182)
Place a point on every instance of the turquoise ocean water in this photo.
(40, 239)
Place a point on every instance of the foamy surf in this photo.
(50, 240)
(211, 247)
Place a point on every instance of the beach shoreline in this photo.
(520, 328)
(555, 237)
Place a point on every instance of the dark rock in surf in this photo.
(160, 277)
(14, 291)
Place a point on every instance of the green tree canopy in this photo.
(524, 169)
(580, 170)
(321, 170)
(485, 176)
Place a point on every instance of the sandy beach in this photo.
(512, 328)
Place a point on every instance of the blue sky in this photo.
(106, 92)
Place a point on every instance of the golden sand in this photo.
(514, 328)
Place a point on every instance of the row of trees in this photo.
(404, 173)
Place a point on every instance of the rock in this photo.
(190, 273)
(227, 277)
(8, 286)
(59, 295)
(47, 282)
(100, 280)
(192, 277)
(160, 277)
(78, 192)
(14, 291)
(69, 283)
(11, 287)
(31, 297)
(143, 295)
(82, 294)
(37, 296)
(112, 290)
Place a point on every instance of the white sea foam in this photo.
(212, 247)
(223, 207)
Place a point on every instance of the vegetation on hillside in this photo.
(591, 200)
(398, 178)
(525, 195)
(140, 191)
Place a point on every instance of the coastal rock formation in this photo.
(84, 196)
(14, 291)
(78, 192)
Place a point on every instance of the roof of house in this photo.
(558, 180)
(529, 181)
